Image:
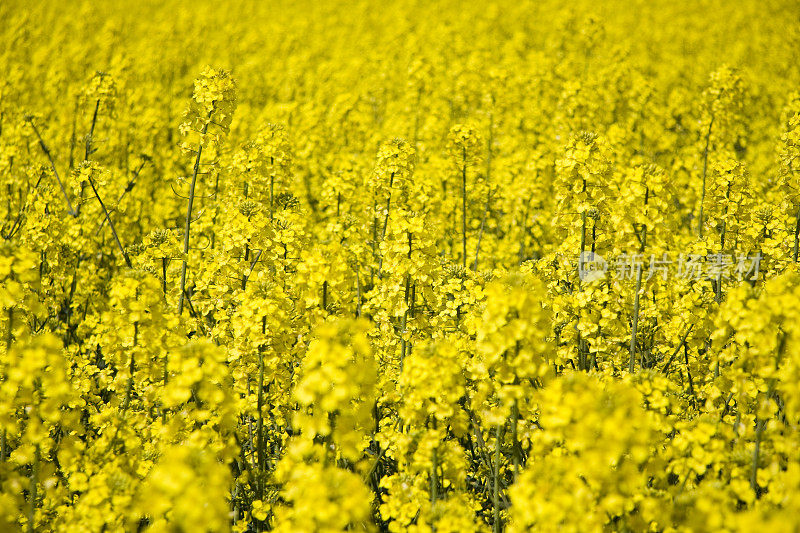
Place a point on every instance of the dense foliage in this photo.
(339, 279)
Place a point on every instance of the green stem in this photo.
(718, 291)
(49, 156)
(260, 423)
(705, 172)
(796, 235)
(496, 481)
(406, 300)
(665, 368)
(760, 424)
(488, 190)
(434, 477)
(515, 440)
(131, 368)
(271, 196)
(583, 240)
(632, 362)
(33, 490)
(111, 224)
(388, 205)
(164, 275)
(10, 334)
(464, 209)
(187, 229)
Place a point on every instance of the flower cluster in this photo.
(502, 266)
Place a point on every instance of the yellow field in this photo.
(403, 266)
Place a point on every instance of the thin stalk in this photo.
(464, 209)
(195, 172)
(374, 239)
(358, 293)
(385, 223)
(403, 343)
(47, 153)
(164, 275)
(131, 368)
(88, 152)
(271, 194)
(583, 235)
(705, 172)
(111, 224)
(10, 333)
(515, 440)
(488, 190)
(73, 139)
(665, 368)
(434, 477)
(388, 205)
(90, 137)
(33, 490)
(262, 456)
(166, 380)
(8, 347)
(406, 300)
(411, 312)
(497, 526)
(634, 325)
(252, 267)
(632, 362)
(796, 236)
(760, 424)
(718, 291)
(524, 226)
(416, 120)
(128, 189)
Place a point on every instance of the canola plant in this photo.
(404, 266)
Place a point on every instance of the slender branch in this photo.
(665, 368)
(388, 205)
(796, 235)
(434, 476)
(488, 190)
(261, 448)
(632, 362)
(705, 172)
(464, 209)
(497, 525)
(189, 222)
(34, 479)
(111, 224)
(760, 425)
(252, 266)
(47, 153)
(10, 335)
(358, 292)
(128, 189)
(90, 136)
(515, 455)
